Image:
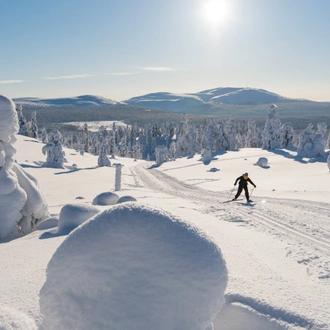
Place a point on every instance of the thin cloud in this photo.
(157, 68)
(121, 73)
(74, 76)
(10, 81)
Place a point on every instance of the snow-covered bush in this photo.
(135, 267)
(54, 151)
(22, 204)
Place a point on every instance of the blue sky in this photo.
(124, 48)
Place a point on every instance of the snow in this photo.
(134, 267)
(276, 251)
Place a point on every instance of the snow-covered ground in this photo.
(276, 249)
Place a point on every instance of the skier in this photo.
(242, 184)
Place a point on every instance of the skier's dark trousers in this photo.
(242, 184)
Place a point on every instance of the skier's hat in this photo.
(246, 174)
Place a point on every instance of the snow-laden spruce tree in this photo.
(44, 135)
(54, 150)
(85, 142)
(22, 205)
(271, 135)
(311, 144)
(252, 137)
(32, 126)
(231, 131)
(103, 159)
(22, 122)
(287, 135)
(327, 144)
(136, 150)
(321, 128)
(162, 155)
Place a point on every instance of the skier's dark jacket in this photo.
(243, 182)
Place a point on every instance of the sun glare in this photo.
(216, 11)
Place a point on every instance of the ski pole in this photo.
(251, 192)
(231, 193)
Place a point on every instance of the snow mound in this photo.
(262, 161)
(135, 267)
(11, 319)
(106, 198)
(48, 224)
(73, 215)
(125, 199)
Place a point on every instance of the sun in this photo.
(216, 12)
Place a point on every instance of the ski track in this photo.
(306, 243)
(159, 181)
(315, 233)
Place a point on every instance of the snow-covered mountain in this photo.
(224, 95)
(77, 101)
(167, 101)
(245, 96)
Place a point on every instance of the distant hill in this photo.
(224, 102)
(217, 96)
(77, 101)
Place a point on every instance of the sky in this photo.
(121, 49)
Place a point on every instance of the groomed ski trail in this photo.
(158, 181)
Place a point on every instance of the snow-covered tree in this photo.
(85, 142)
(136, 150)
(287, 135)
(44, 136)
(271, 135)
(162, 155)
(327, 144)
(172, 150)
(321, 128)
(311, 144)
(22, 122)
(103, 159)
(22, 204)
(32, 126)
(252, 138)
(54, 151)
(231, 131)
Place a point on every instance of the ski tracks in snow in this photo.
(304, 223)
